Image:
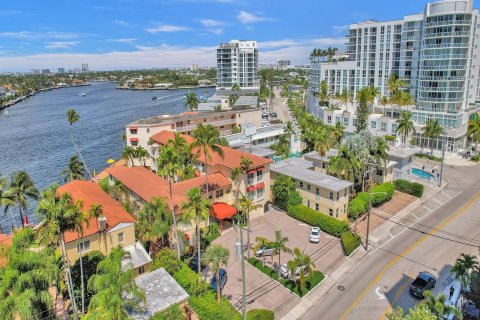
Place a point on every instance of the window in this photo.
(219, 193)
(250, 178)
(346, 192)
(260, 193)
(317, 191)
(308, 203)
(383, 126)
(374, 124)
(301, 184)
(331, 195)
(338, 195)
(120, 237)
(84, 246)
(148, 130)
(330, 212)
(251, 195)
(354, 121)
(141, 269)
(317, 207)
(336, 216)
(259, 175)
(324, 165)
(329, 119)
(308, 187)
(134, 143)
(345, 122)
(133, 131)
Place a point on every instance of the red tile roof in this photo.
(91, 193)
(163, 136)
(232, 158)
(215, 181)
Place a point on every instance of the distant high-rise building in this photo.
(35, 71)
(61, 70)
(45, 71)
(194, 67)
(237, 63)
(85, 67)
(283, 64)
(436, 51)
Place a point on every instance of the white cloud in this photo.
(123, 40)
(211, 23)
(61, 44)
(340, 29)
(216, 31)
(122, 23)
(39, 35)
(247, 17)
(166, 28)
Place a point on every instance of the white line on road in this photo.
(413, 214)
(380, 295)
(441, 203)
(447, 195)
(429, 210)
(391, 235)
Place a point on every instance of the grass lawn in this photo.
(312, 281)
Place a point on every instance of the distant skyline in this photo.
(128, 34)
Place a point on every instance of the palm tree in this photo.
(323, 94)
(380, 154)
(207, 140)
(142, 155)
(26, 279)
(75, 170)
(115, 290)
(405, 125)
(463, 268)
(279, 244)
(345, 165)
(384, 102)
(438, 306)
(128, 154)
(20, 189)
(345, 98)
(394, 84)
(304, 263)
(474, 129)
(235, 88)
(217, 256)
(153, 223)
(96, 212)
(4, 200)
(168, 167)
(323, 141)
(290, 131)
(192, 101)
(432, 130)
(58, 215)
(196, 209)
(247, 206)
(337, 132)
(263, 242)
(72, 117)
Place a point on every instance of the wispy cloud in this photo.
(39, 35)
(340, 29)
(166, 28)
(248, 18)
(123, 40)
(216, 31)
(61, 44)
(211, 23)
(11, 13)
(122, 23)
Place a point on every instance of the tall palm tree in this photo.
(290, 131)
(263, 242)
(323, 141)
(345, 165)
(26, 278)
(58, 215)
(474, 129)
(82, 219)
(196, 209)
(432, 130)
(217, 256)
(279, 244)
(128, 154)
(20, 189)
(192, 101)
(75, 170)
(394, 84)
(235, 88)
(380, 154)
(142, 155)
(168, 167)
(345, 98)
(153, 224)
(463, 268)
(207, 141)
(384, 102)
(405, 125)
(96, 211)
(302, 261)
(438, 306)
(323, 94)
(247, 206)
(72, 117)
(4, 200)
(115, 290)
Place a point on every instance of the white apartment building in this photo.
(237, 63)
(437, 51)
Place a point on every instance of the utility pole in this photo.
(444, 142)
(244, 290)
(369, 206)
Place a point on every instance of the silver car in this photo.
(315, 235)
(286, 274)
(264, 252)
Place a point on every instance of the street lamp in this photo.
(239, 252)
(444, 142)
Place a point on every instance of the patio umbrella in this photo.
(110, 161)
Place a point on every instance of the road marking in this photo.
(381, 295)
(441, 203)
(447, 195)
(391, 236)
(413, 214)
(429, 210)
(397, 296)
(408, 250)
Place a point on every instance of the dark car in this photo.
(222, 275)
(273, 115)
(471, 312)
(424, 281)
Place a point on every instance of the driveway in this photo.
(262, 291)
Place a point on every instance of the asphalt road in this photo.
(381, 280)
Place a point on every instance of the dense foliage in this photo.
(285, 192)
(350, 242)
(380, 194)
(260, 314)
(326, 223)
(413, 188)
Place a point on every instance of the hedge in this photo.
(413, 188)
(359, 204)
(326, 223)
(260, 314)
(427, 156)
(350, 242)
(311, 282)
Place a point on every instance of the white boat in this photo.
(6, 113)
(83, 94)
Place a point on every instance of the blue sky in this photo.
(118, 34)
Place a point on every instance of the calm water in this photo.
(35, 136)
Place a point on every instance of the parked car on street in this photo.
(222, 275)
(273, 114)
(470, 311)
(424, 281)
(286, 274)
(315, 235)
(263, 251)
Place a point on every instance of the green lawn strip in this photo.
(289, 284)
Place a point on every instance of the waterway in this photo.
(35, 135)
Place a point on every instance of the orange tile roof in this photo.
(215, 181)
(91, 193)
(232, 158)
(163, 136)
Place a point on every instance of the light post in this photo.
(444, 142)
(239, 251)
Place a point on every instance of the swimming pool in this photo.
(422, 174)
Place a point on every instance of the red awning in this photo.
(221, 210)
(133, 139)
(133, 128)
(255, 187)
(251, 171)
(251, 188)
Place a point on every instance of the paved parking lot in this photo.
(263, 292)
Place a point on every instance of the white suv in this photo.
(315, 235)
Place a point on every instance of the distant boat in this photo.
(154, 98)
(6, 113)
(83, 94)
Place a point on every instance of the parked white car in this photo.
(315, 235)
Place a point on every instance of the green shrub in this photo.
(174, 312)
(213, 231)
(476, 158)
(327, 224)
(382, 193)
(207, 308)
(350, 242)
(104, 184)
(359, 205)
(427, 156)
(389, 138)
(413, 188)
(285, 193)
(167, 259)
(260, 314)
(356, 208)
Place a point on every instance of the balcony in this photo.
(217, 123)
(447, 23)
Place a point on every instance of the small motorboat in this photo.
(83, 94)
(6, 113)
(154, 98)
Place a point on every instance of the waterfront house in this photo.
(319, 191)
(114, 228)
